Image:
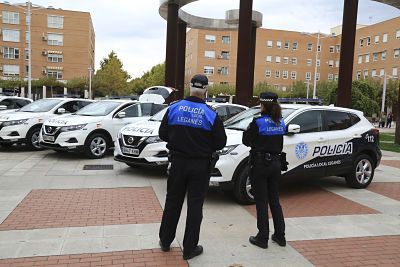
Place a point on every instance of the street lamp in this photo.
(90, 82)
(385, 77)
(28, 22)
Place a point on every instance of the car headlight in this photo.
(12, 123)
(72, 128)
(153, 139)
(226, 150)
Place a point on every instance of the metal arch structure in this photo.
(245, 20)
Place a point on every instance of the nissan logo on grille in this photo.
(131, 140)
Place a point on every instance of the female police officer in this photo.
(265, 137)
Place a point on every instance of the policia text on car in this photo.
(193, 132)
(265, 137)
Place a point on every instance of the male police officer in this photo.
(193, 132)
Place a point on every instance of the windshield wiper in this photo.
(234, 128)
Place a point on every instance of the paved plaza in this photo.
(55, 213)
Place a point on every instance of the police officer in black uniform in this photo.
(193, 132)
(265, 137)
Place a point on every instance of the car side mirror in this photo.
(3, 107)
(121, 115)
(61, 111)
(293, 129)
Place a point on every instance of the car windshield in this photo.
(159, 116)
(243, 119)
(101, 108)
(42, 105)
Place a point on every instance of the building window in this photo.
(319, 48)
(209, 54)
(318, 75)
(293, 75)
(398, 34)
(277, 60)
(295, 45)
(294, 60)
(394, 72)
(210, 38)
(57, 74)
(269, 44)
(277, 74)
(285, 60)
(361, 43)
(208, 70)
(373, 73)
(368, 41)
(358, 74)
(336, 77)
(276, 86)
(226, 39)
(331, 49)
(27, 37)
(396, 53)
(309, 62)
(10, 35)
(285, 74)
(366, 58)
(308, 76)
(10, 70)
(55, 58)
(279, 44)
(309, 47)
(318, 62)
(11, 53)
(269, 59)
(337, 48)
(225, 54)
(268, 74)
(337, 63)
(382, 72)
(330, 76)
(55, 22)
(366, 74)
(223, 71)
(360, 59)
(385, 38)
(10, 17)
(26, 54)
(376, 39)
(331, 63)
(287, 45)
(26, 70)
(375, 58)
(383, 55)
(55, 39)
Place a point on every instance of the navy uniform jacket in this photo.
(192, 129)
(264, 135)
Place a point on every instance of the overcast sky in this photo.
(136, 32)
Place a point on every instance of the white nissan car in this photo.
(93, 129)
(10, 104)
(138, 144)
(320, 141)
(23, 126)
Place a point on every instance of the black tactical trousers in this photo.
(265, 188)
(191, 176)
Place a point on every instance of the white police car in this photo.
(93, 129)
(23, 126)
(320, 141)
(12, 103)
(138, 144)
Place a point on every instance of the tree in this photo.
(297, 90)
(153, 77)
(111, 78)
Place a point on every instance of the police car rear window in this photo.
(337, 120)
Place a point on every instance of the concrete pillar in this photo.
(65, 92)
(347, 53)
(22, 92)
(86, 94)
(244, 71)
(180, 60)
(172, 34)
(397, 133)
(44, 94)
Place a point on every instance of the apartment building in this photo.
(284, 57)
(62, 41)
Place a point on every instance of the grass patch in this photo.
(387, 142)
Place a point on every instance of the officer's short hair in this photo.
(199, 81)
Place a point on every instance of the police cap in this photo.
(268, 97)
(199, 81)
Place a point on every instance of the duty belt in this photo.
(265, 155)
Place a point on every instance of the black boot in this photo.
(163, 247)
(195, 252)
(262, 243)
(280, 240)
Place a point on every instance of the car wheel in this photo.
(96, 146)
(32, 139)
(242, 189)
(362, 172)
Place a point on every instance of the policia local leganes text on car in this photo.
(193, 131)
(265, 137)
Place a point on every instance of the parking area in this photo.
(64, 210)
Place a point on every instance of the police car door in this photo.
(124, 117)
(300, 147)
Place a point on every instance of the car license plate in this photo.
(131, 151)
(48, 138)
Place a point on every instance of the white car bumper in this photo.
(72, 140)
(13, 134)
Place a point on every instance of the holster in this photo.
(261, 158)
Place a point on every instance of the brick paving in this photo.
(362, 251)
(136, 258)
(391, 163)
(310, 201)
(390, 190)
(84, 207)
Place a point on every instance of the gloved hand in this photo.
(284, 163)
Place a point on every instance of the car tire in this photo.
(362, 173)
(96, 146)
(6, 145)
(242, 187)
(32, 139)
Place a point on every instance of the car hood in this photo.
(143, 128)
(73, 120)
(12, 116)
